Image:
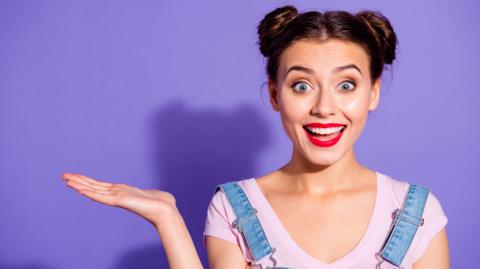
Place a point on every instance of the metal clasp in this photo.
(379, 259)
(239, 221)
(396, 215)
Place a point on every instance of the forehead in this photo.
(324, 56)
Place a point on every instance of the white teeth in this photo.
(324, 131)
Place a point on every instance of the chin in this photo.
(322, 160)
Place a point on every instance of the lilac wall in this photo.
(170, 95)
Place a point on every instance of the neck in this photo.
(306, 177)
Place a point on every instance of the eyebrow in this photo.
(310, 71)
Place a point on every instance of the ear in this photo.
(374, 95)
(273, 94)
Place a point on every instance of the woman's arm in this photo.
(157, 207)
(177, 242)
(224, 254)
(436, 255)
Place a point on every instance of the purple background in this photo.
(171, 95)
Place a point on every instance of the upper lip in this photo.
(323, 125)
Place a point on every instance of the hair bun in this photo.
(272, 24)
(383, 31)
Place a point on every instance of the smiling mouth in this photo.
(325, 133)
(324, 137)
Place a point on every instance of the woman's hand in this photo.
(153, 205)
(158, 207)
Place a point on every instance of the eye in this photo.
(302, 87)
(347, 85)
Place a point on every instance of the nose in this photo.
(324, 105)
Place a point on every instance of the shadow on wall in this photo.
(147, 257)
(195, 150)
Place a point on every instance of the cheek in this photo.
(356, 109)
(295, 108)
(293, 111)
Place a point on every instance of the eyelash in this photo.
(345, 81)
(295, 84)
(351, 82)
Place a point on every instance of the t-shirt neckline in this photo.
(348, 259)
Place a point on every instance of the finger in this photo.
(78, 185)
(104, 198)
(82, 180)
(96, 182)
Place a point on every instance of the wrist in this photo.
(167, 218)
(176, 239)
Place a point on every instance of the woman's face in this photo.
(319, 83)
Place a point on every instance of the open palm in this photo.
(149, 204)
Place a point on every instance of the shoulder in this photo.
(220, 202)
(398, 189)
(220, 197)
(220, 217)
(434, 216)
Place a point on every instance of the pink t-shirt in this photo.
(390, 195)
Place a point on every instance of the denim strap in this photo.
(405, 223)
(246, 220)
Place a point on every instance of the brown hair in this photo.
(370, 29)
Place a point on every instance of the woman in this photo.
(322, 209)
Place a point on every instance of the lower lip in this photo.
(327, 143)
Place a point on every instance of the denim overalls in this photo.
(404, 225)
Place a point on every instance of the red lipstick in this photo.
(324, 143)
